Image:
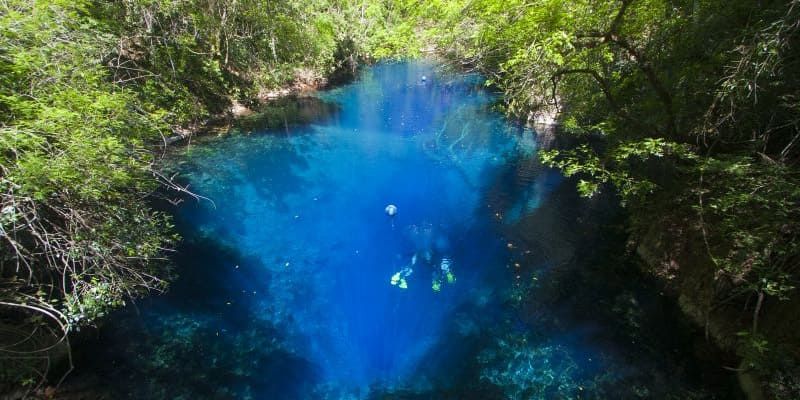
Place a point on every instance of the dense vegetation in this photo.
(687, 109)
(89, 90)
(690, 110)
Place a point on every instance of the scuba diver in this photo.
(426, 242)
(443, 274)
(399, 278)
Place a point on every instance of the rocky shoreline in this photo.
(305, 83)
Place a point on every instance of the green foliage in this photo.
(88, 92)
(690, 103)
(73, 145)
(620, 167)
(750, 207)
(755, 351)
(189, 58)
(75, 235)
(705, 90)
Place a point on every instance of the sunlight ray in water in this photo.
(309, 206)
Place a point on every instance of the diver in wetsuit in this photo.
(443, 274)
(426, 241)
(399, 278)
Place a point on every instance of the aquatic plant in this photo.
(527, 370)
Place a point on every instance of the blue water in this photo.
(309, 205)
(285, 288)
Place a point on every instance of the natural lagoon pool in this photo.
(295, 283)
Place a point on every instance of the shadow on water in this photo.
(580, 321)
(201, 340)
(585, 292)
(213, 159)
(280, 115)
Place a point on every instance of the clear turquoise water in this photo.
(285, 285)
